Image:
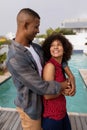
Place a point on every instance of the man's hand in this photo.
(65, 84)
(70, 90)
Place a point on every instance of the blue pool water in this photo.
(7, 94)
(77, 103)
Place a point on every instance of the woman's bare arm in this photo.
(48, 75)
(72, 80)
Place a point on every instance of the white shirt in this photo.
(36, 58)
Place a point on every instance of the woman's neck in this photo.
(59, 59)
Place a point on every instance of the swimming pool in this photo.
(77, 103)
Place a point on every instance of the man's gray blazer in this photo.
(30, 86)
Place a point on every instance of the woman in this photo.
(57, 51)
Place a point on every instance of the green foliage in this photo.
(1, 43)
(63, 31)
(4, 42)
(41, 36)
(66, 31)
(2, 57)
(1, 71)
(49, 31)
(57, 30)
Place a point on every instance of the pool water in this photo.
(7, 94)
(77, 103)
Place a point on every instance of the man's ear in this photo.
(26, 25)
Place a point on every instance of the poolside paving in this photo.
(83, 73)
(4, 77)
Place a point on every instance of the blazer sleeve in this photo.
(28, 76)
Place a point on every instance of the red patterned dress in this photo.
(55, 108)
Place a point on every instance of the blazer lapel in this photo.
(40, 53)
(27, 54)
(30, 58)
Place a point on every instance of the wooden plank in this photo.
(86, 120)
(78, 118)
(78, 123)
(73, 122)
(9, 119)
(13, 123)
(3, 119)
(19, 127)
(83, 122)
(16, 126)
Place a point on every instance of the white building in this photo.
(77, 25)
(10, 35)
(78, 41)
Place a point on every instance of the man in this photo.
(25, 62)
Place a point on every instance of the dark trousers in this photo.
(51, 124)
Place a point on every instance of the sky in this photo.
(52, 12)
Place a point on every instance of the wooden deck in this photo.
(78, 121)
(9, 120)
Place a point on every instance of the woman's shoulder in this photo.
(49, 66)
(48, 71)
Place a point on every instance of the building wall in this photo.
(77, 25)
(78, 41)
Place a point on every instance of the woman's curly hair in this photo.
(67, 46)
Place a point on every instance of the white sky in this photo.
(52, 12)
